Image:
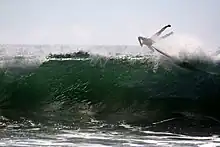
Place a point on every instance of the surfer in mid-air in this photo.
(150, 41)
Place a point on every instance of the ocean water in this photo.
(59, 95)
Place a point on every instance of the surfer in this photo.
(183, 64)
(150, 41)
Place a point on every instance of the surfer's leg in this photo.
(151, 48)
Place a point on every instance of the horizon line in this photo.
(51, 44)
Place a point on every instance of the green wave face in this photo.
(111, 90)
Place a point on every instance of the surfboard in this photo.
(184, 64)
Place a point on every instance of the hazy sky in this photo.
(105, 21)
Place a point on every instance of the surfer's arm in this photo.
(167, 35)
(140, 39)
(160, 31)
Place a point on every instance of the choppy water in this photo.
(100, 97)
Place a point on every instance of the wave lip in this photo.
(79, 54)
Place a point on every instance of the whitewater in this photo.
(72, 95)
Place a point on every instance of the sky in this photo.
(109, 22)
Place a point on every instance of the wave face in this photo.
(78, 86)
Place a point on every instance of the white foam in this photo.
(38, 53)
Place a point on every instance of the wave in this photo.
(136, 89)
